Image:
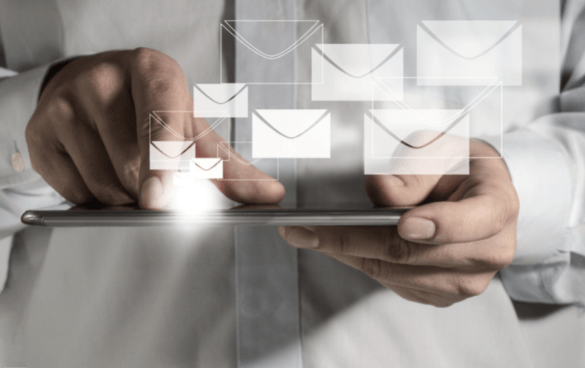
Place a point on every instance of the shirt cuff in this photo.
(540, 171)
(18, 100)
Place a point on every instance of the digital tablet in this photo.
(252, 215)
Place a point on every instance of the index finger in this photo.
(158, 84)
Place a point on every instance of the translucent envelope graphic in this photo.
(415, 145)
(216, 100)
(348, 70)
(428, 132)
(206, 168)
(291, 133)
(275, 59)
(171, 155)
(175, 152)
(470, 52)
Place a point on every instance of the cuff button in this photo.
(17, 162)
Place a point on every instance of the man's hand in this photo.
(89, 136)
(443, 251)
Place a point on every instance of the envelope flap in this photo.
(206, 164)
(358, 60)
(258, 35)
(469, 39)
(172, 149)
(417, 128)
(292, 123)
(221, 93)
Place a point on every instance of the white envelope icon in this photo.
(171, 155)
(206, 168)
(175, 153)
(400, 142)
(469, 52)
(273, 60)
(348, 70)
(217, 100)
(425, 134)
(291, 134)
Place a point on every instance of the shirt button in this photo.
(17, 162)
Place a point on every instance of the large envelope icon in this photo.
(176, 152)
(275, 51)
(348, 70)
(291, 134)
(469, 52)
(411, 137)
(399, 142)
(216, 100)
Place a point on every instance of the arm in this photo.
(20, 187)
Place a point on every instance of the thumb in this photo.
(400, 190)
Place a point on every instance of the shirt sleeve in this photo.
(546, 160)
(20, 187)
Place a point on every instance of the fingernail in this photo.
(415, 228)
(300, 237)
(152, 189)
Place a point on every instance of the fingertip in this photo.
(382, 189)
(253, 192)
(416, 228)
(154, 193)
(274, 192)
(400, 190)
(282, 232)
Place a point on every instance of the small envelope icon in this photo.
(217, 100)
(175, 154)
(206, 168)
(291, 134)
(348, 70)
(272, 49)
(171, 155)
(469, 52)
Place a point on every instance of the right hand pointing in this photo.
(89, 135)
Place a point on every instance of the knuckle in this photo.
(152, 61)
(131, 173)
(502, 256)
(104, 81)
(32, 134)
(77, 196)
(499, 215)
(343, 245)
(144, 57)
(60, 108)
(110, 193)
(372, 267)
(498, 261)
(396, 249)
(514, 203)
(442, 303)
(468, 287)
(59, 113)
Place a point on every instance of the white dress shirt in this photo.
(128, 297)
